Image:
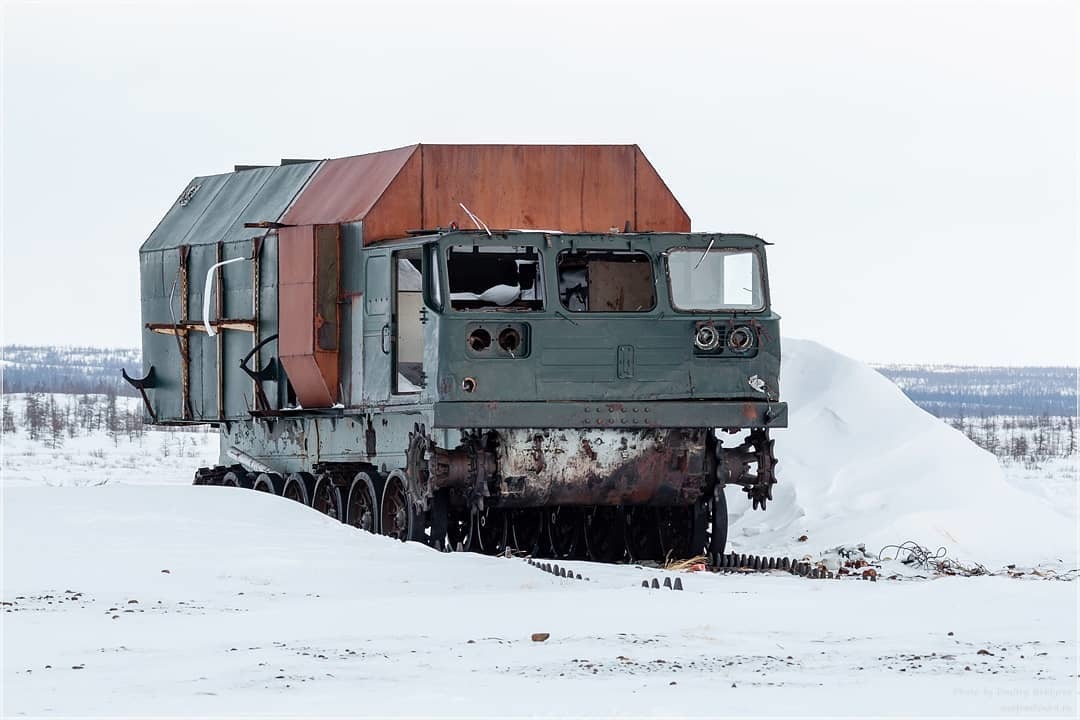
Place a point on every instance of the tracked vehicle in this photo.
(478, 347)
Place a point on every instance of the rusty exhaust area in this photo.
(600, 467)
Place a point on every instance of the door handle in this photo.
(386, 338)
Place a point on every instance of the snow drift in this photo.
(860, 463)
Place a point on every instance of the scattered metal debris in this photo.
(555, 570)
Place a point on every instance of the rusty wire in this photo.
(921, 557)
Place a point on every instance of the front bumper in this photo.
(636, 414)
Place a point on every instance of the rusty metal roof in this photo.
(573, 188)
(345, 189)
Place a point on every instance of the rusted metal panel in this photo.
(600, 467)
(606, 198)
(399, 209)
(572, 188)
(312, 366)
(656, 208)
(658, 414)
(345, 189)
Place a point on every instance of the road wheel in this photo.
(233, 478)
(398, 517)
(492, 530)
(527, 531)
(565, 526)
(676, 528)
(326, 497)
(605, 538)
(461, 529)
(363, 508)
(269, 483)
(643, 533)
(298, 487)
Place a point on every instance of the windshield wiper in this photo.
(704, 254)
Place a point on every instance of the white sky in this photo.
(915, 164)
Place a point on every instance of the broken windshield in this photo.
(506, 278)
(606, 281)
(722, 279)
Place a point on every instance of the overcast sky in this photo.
(915, 164)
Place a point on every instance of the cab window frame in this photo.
(649, 261)
(763, 279)
(540, 283)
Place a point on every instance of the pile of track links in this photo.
(735, 562)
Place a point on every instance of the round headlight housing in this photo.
(741, 339)
(707, 338)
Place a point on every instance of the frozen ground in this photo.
(270, 608)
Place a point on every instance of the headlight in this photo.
(707, 338)
(741, 339)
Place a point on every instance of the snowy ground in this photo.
(267, 606)
(157, 456)
(167, 599)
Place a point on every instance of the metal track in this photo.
(742, 563)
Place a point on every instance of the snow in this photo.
(1055, 481)
(404, 385)
(861, 463)
(497, 294)
(268, 607)
(157, 457)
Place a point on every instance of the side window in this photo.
(408, 374)
(493, 278)
(606, 281)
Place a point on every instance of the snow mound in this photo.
(126, 535)
(860, 463)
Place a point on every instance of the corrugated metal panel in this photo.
(193, 201)
(217, 206)
(214, 209)
(273, 199)
(345, 189)
(225, 209)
